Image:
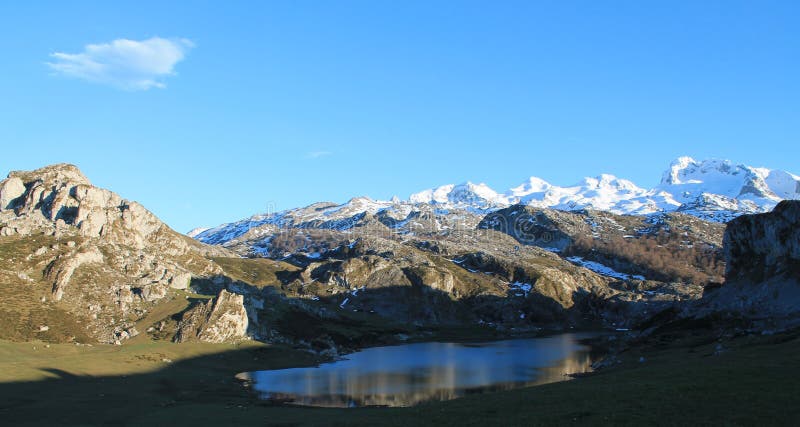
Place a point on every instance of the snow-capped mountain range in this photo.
(716, 190)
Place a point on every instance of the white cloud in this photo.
(318, 154)
(122, 63)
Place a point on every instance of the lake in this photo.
(405, 375)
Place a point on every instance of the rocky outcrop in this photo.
(438, 279)
(760, 247)
(10, 190)
(105, 260)
(222, 319)
(58, 198)
(61, 271)
(180, 280)
(762, 286)
(669, 247)
(538, 227)
(484, 277)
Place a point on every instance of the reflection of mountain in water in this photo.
(410, 374)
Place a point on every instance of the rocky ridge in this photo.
(713, 190)
(90, 255)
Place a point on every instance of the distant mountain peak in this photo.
(464, 194)
(676, 168)
(195, 231)
(533, 185)
(713, 189)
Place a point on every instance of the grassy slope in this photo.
(21, 311)
(259, 272)
(754, 383)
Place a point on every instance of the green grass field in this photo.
(753, 382)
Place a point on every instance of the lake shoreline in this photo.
(374, 376)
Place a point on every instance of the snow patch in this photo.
(602, 269)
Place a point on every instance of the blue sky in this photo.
(252, 106)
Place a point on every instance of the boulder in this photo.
(222, 319)
(60, 272)
(10, 190)
(180, 281)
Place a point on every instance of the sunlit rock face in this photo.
(222, 319)
(101, 262)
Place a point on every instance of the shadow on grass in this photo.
(754, 382)
(66, 398)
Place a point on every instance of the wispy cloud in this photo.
(122, 63)
(318, 154)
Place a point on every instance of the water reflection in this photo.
(409, 374)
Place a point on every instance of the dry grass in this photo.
(259, 272)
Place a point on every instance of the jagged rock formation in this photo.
(10, 190)
(761, 247)
(517, 267)
(477, 277)
(762, 285)
(60, 196)
(103, 260)
(61, 270)
(219, 320)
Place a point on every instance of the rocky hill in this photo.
(670, 247)
(459, 267)
(78, 262)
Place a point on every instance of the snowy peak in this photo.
(689, 180)
(604, 192)
(696, 187)
(437, 195)
(470, 193)
(477, 196)
(783, 184)
(716, 190)
(718, 174)
(609, 183)
(195, 231)
(678, 168)
(533, 185)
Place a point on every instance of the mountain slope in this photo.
(79, 263)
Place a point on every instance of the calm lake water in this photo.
(406, 375)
